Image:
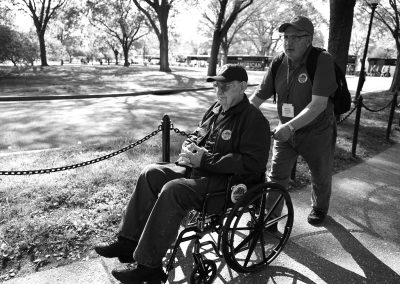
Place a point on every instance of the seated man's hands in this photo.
(191, 156)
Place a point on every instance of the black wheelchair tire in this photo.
(204, 275)
(259, 234)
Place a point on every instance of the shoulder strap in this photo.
(312, 61)
(274, 69)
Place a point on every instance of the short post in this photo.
(293, 173)
(391, 115)
(356, 125)
(165, 128)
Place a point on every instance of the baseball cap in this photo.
(229, 73)
(299, 22)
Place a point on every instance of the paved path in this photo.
(359, 243)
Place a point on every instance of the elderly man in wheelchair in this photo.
(218, 179)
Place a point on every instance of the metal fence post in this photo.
(391, 115)
(165, 128)
(293, 173)
(356, 125)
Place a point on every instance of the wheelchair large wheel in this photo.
(256, 230)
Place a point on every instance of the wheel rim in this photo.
(204, 275)
(248, 240)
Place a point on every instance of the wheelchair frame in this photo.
(262, 224)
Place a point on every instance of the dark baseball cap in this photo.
(301, 23)
(229, 73)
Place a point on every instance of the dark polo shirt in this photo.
(293, 86)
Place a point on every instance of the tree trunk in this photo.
(164, 63)
(225, 52)
(212, 65)
(116, 56)
(396, 75)
(340, 26)
(126, 55)
(42, 44)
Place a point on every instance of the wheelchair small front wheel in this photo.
(204, 273)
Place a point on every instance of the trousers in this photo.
(317, 147)
(161, 199)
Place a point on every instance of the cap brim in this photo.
(284, 26)
(216, 78)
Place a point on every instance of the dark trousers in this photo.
(161, 199)
(317, 147)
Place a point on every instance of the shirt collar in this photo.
(235, 109)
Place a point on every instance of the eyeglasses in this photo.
(222, 86)
(294, 38)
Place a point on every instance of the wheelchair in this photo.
(250, 233)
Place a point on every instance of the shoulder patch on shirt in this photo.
(302, 78)
(226, 134)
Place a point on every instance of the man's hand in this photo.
(282, 132)
(191, 155)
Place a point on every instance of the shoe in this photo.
(316, 217)
(139, 274)
(121, 248)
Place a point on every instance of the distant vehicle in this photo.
(154, 61)
(252, 62)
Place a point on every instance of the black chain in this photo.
(377, 110)
(52, 170)
(180, 132)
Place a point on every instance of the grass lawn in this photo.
(53, 219)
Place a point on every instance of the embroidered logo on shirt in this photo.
(226, 134)
(302, 78)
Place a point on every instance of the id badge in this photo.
(287, 110)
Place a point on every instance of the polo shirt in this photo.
(293, 85)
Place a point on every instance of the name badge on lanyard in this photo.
(287, 110)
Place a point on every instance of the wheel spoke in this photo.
(245, 240)
(251, 249)
(274, 206)
(263, 247)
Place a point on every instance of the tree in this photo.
(6, 36)
(41, 11)
(389, 15)
(157, 13)
(232, 36)
(70, 28)
(16, 47)
(340, 27)
(120, 20)
(226, 13)
(261, 28)
(7, 15)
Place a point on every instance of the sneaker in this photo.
(140, 274)
(121, 248)
(316, 217)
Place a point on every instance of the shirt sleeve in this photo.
(324, 83)
(266, 88)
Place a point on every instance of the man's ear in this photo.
(243, 86)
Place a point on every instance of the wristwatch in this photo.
(291, 127)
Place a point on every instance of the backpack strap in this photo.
(312, 60)
(274, 69)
